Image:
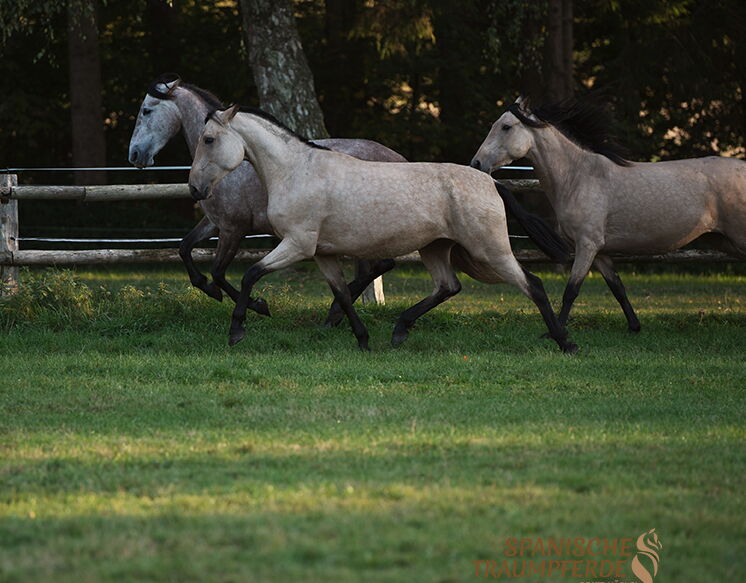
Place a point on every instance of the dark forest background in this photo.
(425, 77)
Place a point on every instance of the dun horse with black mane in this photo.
(606, 204)
(325, 204)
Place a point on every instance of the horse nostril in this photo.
(196, 195)
(475, 164)
(133, 156)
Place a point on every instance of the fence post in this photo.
(374, 292)
(8, 234)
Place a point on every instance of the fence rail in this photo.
(114, 256)
(11, 257)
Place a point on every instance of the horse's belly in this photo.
(655, 237)
(360, 241)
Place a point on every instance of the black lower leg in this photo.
(252, 275)
(357, 286)
(557, 331)
(571, 293)
(342, 297)
(409, 316)
(196, 278)
(617, 288)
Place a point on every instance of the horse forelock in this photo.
(516, 110)
(210, 99)
(162, 79)
(589, 125)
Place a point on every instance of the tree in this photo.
(281, 72)
(88, 140)
(558, 61)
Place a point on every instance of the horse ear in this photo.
(523, 103)
(231, 112)
(167, 87)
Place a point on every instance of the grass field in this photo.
(136, 446)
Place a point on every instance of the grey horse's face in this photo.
(220, 150)
(157, 122)
(508, 140)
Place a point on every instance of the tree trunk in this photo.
(164, 50)
(88, 139)
(342, 77)
(558, 65)
(281, 72)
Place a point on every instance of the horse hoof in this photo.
(634, 329)
(236, 336)
(399, 337)
(260, 307)
(214, 292)
(569, 348)
(363, 347)
(333, 319)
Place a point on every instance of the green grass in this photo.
(136, 446)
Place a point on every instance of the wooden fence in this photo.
(11, 257)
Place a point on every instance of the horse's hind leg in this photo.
(508, 268)
(437, 259)
(335, 278)
(367, 272)
(204, 230)
(606, 267)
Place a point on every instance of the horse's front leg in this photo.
(366, 273)
(585, 253)
(204, 230)
(227, 248)
(606, 267)
(335, 278)
(285, 254)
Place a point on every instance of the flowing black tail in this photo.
(536, 228)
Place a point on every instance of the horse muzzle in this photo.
(198, 194)
(140, 159)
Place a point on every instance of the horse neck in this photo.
(557, 162)
(193, 111)
(273, 151)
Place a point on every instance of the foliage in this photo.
(426, 78)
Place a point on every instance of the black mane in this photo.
(587, 124)
(272, 119)
(209, 98)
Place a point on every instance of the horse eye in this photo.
(506, 127)
(146, 111)
(209, 140)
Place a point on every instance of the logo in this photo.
(586, 560)
(648, 545)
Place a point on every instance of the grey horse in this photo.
(238, 206)
(606, 204)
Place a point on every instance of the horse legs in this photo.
(437, 259)
(227, 247)
(606, 267)
(204, 230)
(585, 253)
(367, 272)
(335, 278)
(508, 268)
(285, 254)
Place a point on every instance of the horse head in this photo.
(509, 138)
(157, 122)
(220, 151)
